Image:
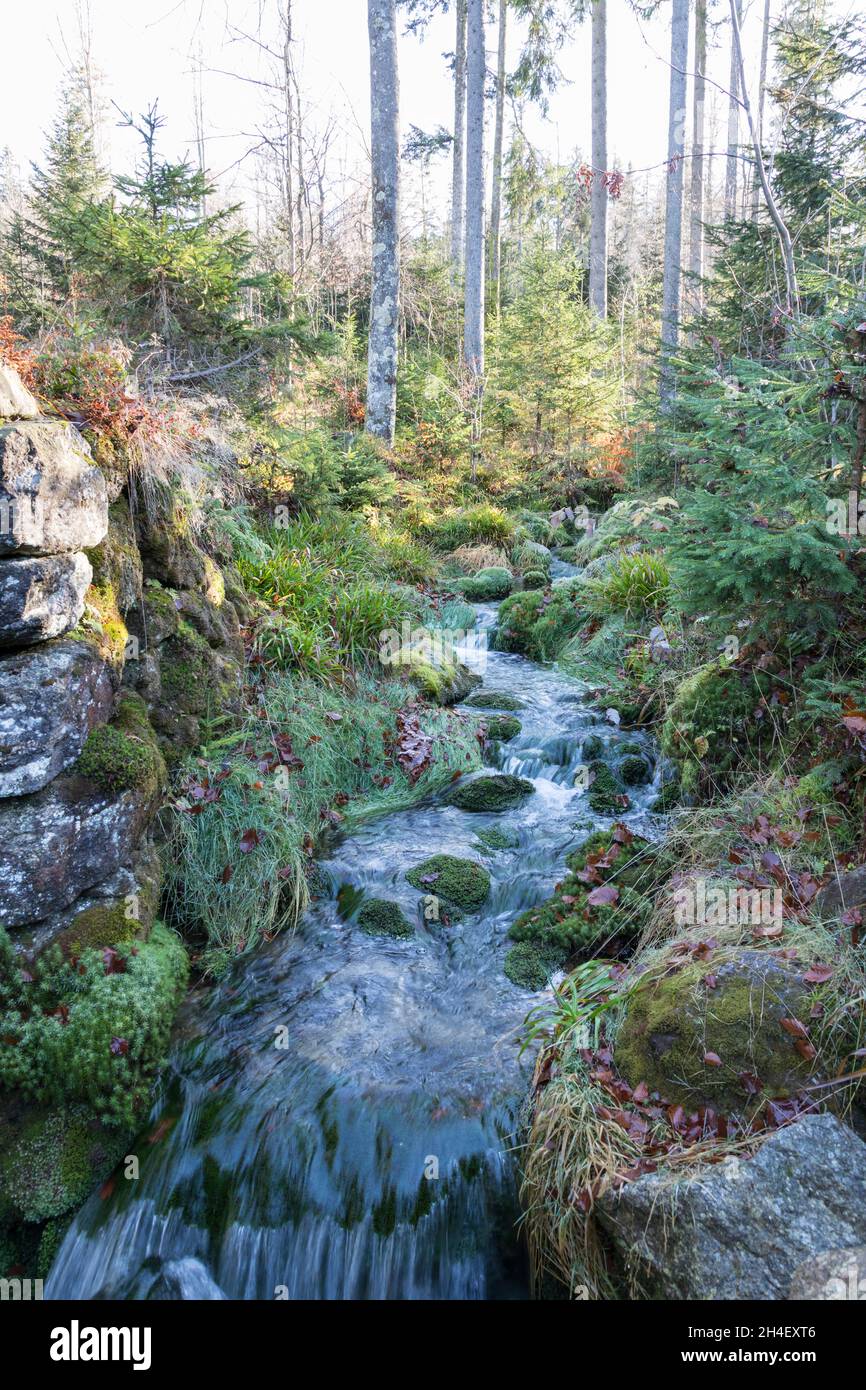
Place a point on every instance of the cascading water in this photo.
(339, 1118)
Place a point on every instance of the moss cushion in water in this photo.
(461, 882)
(381, 917)
(498, 793)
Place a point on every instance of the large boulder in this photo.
(50, 698)
(16, 402)
(41, 597)
(843, 893)
(757, 1228)
(84, 825)
(53, 498)
(119, 909)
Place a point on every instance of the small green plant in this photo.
(637, 585)
(577, 1010)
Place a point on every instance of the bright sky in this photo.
(147, 49)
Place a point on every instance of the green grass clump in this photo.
(494, 699)
(497, 793)
(503, 727)
(236, 870)
(487, 585)
(381, 917)
(711, 728)
(530, 966)
(636, 585)
(459, 882)
(482, 524)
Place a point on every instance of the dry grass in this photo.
(472, 558)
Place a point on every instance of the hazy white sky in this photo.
(147, 48)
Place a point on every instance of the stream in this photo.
(339, 1118)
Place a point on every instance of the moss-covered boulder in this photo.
(461, 883)
(540, 623)
(502, 727)
(123, 754)
(723, 1029)
(634, 770)
(487, 585)
(606, 795)
(493, 837)
(592, 748)
(535, 579)
(608, 894)
(442, 679)
(711, 725)
(51, 1159)
(494, 699)
(530, 966)
(495, 793)
(382, 917)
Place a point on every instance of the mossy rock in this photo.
(710, 727)
(487, 585)
(50, 1161)
(567, 924)
(123, 754)
(535, 579)
(381, 917)
(494, 699)
(503, 727)
(444, 682)
(530, 966)
(605, 795)
(668, 798)
(540, 623)
(635, 770)
(103, 924)
(592, 747)
(493, 837)
(459, 882)
(498, 793)
(675, 1018)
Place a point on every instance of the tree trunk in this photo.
(696, 210)
(598, 211)
(458, 149)
(385, 166)
(674, 196)
(762, 93)
(496, 197)
(288, 176)
(733, 126)
(473, 320)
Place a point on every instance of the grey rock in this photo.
(134, 887)
(185, 1280)
(746, 1228)
(16, 402)
(845, 891)
(51, 696)
(53, 498)
(59, 843)
(41, 597)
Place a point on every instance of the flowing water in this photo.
(340, 1116)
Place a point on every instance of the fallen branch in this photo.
(212, 371)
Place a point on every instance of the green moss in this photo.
(711, 727)
(530, 966)
(123, 754)
(97, 927)
(535, 579)
(445, 683)
(567, 923)
(494, 699)
(380, 917)
(592, 747)
(497, 793)
(540, 624)
(674, 1019)
(460, 882)
(668, 798)
(635, 770)
(605, 794)
(503, 727)
(493, 837)
(52, 1159)
(184, 667)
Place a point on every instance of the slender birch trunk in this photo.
(496, 196)
(674, 197)
(696, 210)
(598, 208)
(385, 162)
(733, 125)
(762, 94)
(457, 173)
(473, 321)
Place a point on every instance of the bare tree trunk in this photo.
(733, 126)
(496, 197)
(696, 220)
(473, 320)
(457, 184)
(762, 93)
(288, 177)
(785, 242)
(385, 185)
(674, 197)
(598, 211)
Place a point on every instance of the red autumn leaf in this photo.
(119, 1047)
(604, 895)
(805, 1049)
(249, 840)
(640, 1093)
(795, 1028)
(226, 874)
(818, 974)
